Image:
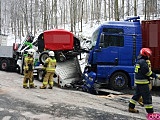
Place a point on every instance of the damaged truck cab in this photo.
(115, 46)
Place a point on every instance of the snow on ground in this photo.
(11, 40)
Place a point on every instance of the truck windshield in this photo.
(94, 39)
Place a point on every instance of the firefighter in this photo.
(142, 75)
(140, 101)
(49, 67)
(28, 69)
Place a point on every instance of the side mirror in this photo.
(101, 45)
(102, 38)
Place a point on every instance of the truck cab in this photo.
(115, 46)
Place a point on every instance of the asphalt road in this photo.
(17, 103)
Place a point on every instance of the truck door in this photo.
(108, 51)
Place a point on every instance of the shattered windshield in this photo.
(94, 38)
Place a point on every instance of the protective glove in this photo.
(54, 75)
(158, 77)
(26, 71)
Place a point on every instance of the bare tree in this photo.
(128, 7)
(135, 7)
(92, 12)
(112, 9)
(105, 10)
(35, 16)
(45, 16)
(26, 15)
(123, 9)
(55, 13)
(116, 13)
(109, 9)
(52, 12)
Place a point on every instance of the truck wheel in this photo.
(4, 64)
(118, 81)
(40, 75)
(43, 56)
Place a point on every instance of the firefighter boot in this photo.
(33, 86)
(25, 87)
(42, 87)
(50, 87)
(140, 101)
(132, 110)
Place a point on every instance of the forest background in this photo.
(20, 17)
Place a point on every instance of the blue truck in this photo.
(111, 58)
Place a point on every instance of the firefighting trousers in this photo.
(150, 88)
(142, 90)
(28, 77)
(48, 79)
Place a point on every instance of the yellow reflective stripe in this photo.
(132, 101)
(51, 64)
(45, 83)
(149, 73)
(148, 106)
(24, 83)
(31, 83)
(51, 83)
(136, 68)
(148, 62)
(141, 81)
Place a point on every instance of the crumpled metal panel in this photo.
(67, 72)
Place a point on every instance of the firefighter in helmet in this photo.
(49, 67)
(28, 69)
(140, 101)
(142, 74)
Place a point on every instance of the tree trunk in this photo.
(55, 13)
(123, 9)
(45, 16)
(116, 10)
(135, 7)
(128, 8)
(26, 15)
(109, 9)
(105, 10)
(82, 16)
(31, 16)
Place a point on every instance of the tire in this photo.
(118, 81)
(40, 75)
(43, 56)
(4, 64)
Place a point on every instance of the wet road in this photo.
(17, 103)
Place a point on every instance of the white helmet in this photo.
(31, 51)
(51, 53)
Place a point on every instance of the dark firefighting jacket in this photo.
(143, 71)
